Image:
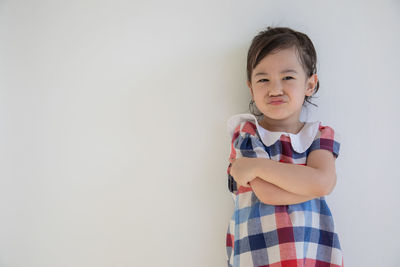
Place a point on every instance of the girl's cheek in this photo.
(260, 86)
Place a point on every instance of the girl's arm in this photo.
(317, 178)
(273, 195)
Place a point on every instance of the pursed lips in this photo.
(275, 100)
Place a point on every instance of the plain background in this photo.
(114, 147)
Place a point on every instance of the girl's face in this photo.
(279, 85)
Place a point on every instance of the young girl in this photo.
(281, 168)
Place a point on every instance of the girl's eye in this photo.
(266, 80)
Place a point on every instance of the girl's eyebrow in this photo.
(284, 71)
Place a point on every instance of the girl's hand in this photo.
(243, 170)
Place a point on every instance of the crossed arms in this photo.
(278, 183)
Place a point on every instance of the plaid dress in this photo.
(280, 235)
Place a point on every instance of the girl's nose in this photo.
(275, 89)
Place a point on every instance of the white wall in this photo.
(113, 138)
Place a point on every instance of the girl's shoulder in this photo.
(327, 132)
(242, 124)
(326, 138)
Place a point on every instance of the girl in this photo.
(281, 217)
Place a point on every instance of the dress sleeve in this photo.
(327, 139)
(247, 145)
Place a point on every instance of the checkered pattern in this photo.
(283, 235)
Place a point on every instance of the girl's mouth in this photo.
(276, 102)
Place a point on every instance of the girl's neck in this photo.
(288, 126)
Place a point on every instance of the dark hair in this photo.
(276, 38)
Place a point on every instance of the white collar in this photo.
(300, 141)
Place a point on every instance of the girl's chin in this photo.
(274, 115)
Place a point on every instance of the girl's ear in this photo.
(312, 82)
(251, 89)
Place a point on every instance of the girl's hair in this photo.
(277, 38)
